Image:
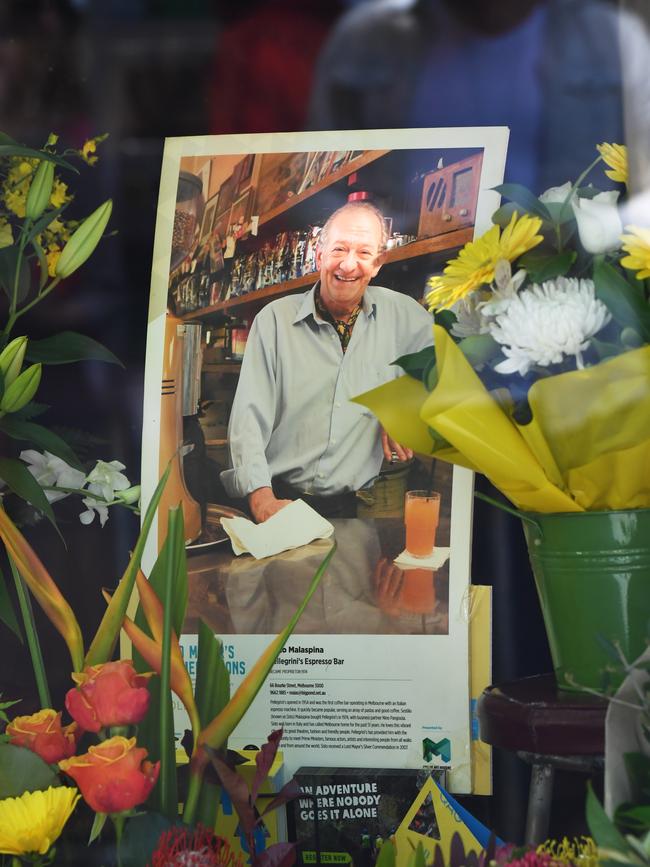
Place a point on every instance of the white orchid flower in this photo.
(93, 506)
(469, 318)
(599, 222)
(506, 286)
(556, 195)
(107, 478)
(52, 472)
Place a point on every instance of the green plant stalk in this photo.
(32, 638)
(14, 289)
(118, 822)
(41, 295)
(216, 733)
(165, 669)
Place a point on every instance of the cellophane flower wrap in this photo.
(540, 376)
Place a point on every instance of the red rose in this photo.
(113, 775)
(43, 734)
(112, 694)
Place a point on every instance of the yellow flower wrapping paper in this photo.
(587, 446)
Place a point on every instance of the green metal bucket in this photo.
(592, 571)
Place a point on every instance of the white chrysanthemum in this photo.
(52, 472)
(545, 324)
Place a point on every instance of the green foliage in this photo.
(22, 770)
(623, 299)
(67, 347)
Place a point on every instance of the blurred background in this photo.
(564, 75)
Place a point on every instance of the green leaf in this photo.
(624, 300)
(41, 437)
(416, 363)
(31, 410)
(43, 222)
(67, 347)
(8, 262)
(11, 148)
(446, 318)
(22, 482)
(141, 837)
(638, 772)
(601, 826)
(605, 349)
(42, 264)
(633, 818)
(546, 266)
(560, 212)
(212, 693)
(98, 823)
(479, 348)
(7, 613)
(522, 196)
(21, 770)
(502, 216)
(105, 638)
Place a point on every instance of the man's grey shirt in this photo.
(292, 417)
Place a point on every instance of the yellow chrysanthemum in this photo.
(475, 264)
(33, 822)
(637, 246)
(615, 155)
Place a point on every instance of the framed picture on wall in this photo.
(208, 216)
(241, 210)
(227, 192)
(221, 224)
(245, 169)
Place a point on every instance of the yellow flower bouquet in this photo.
(541, 369)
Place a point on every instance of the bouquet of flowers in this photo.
(541, 369)
(122, 718)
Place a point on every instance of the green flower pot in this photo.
(592, 571)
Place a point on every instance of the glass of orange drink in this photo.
(421, 512)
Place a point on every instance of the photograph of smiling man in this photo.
(293, 433)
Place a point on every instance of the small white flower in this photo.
(106, 478)
(556, 195)
(469, 318)
(544, 324)
(50, 471)
(599, 223)
(505, 288)
(93, 506)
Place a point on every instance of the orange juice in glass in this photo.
(421, 511)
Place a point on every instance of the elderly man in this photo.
(293, 431)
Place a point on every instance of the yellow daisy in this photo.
(637, 246)
(33, 822)
(475, 264)
(615, 156)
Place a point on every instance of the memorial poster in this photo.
(376, 673)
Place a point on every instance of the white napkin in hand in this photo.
(292, 526)
(435, 560)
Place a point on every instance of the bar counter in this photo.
(362, 591)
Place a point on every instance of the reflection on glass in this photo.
(362, 592)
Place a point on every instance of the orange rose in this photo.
(113, 775)
(112, 694)
(43, 734)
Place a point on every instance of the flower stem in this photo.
(32, 638)
(118, 822)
